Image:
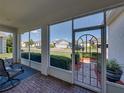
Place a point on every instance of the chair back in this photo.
(3, 71)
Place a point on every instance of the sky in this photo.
(35, 35)
(64, 30)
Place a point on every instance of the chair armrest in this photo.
(15, 70)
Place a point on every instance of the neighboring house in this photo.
(23, 44)
(90, 42)
(115, 23)
(37, 44)
(2, 43)
(62, 44)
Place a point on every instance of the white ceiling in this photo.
(34, 13)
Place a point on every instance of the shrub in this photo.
(35, 57)
(25, 55)
(113, 65)
(77, 57)
(9, 49)
(55, 60)
(60, 62)
(51, 46)
(91, 55)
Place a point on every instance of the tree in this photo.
(31, 42)
(9, 41)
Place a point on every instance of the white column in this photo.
(45, 50)
(18, 47)
(4, 45)
(15, 47)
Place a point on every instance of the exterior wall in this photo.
(33, 64)
(52, 71)
(116, 49)
(23, 44)
(60, 74)
(114, 88)
(116, 39)
(61, 46)
(2, 45)
(12, 30)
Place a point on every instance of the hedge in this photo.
(90, 55)
(33, 56)
(60, 62)
(56, 61)
(25, 55)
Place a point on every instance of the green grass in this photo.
(68, 54)
(6, 55)
(61, 54)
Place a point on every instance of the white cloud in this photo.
(36, 31)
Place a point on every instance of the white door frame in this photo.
(103, 51)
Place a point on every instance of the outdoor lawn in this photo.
(61, 54)
(6, 55)
(60, 58)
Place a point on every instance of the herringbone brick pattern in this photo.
(38, 83)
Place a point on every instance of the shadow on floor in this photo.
(27, 73)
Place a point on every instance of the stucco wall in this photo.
(114, 88)
(116, 40)
(60, 74)
(32, 64)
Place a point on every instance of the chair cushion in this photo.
(14, 72)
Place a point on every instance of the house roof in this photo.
(31, 14)
(61, 40)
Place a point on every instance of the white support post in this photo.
(18, 47)
(15, 47)
(45, 50)
(103, 48)
(73, 52)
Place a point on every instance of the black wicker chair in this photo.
(7, 76)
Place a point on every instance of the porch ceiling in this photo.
(33, 13)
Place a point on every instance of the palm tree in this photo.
(30, 42)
